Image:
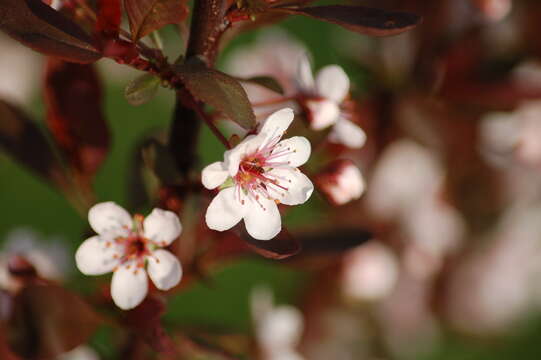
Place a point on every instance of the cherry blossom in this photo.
(515, 133)
(323, 98)
(370, 272)
(131, 248)
(278, 329)
(341, 182)
(47, 256)
(255, 176)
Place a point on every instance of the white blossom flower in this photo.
(516, 133)
(341, 182)
(370, 272)
(47, 256)
(495, 10)
(126, 246)
(19, 71)
(323, 97)
(81, 352)
(278, 329)
(255, 176)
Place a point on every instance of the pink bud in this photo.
(341, 182)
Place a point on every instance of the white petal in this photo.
(348, 185)
(299, 187)
(164, 269)
(263, 220)
(233, 157)
(299, 151)
(95, 257)
(347, 133)
(129, 286)
(225, 210)
(280, 329)
(162, 227)
(332, 83)
(276, 124)
(214, 175)
(109, 217)
(305, 79)
(323, 113)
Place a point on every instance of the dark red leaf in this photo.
(43, 29)
(282, 246)
(109, 14)
(335, 241)
(146, 16)
(145, 321)
(24, 141)
(47, 320)
(219, 90)
(364, 20)
(73, 98)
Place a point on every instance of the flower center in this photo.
(134, 247)
(255, 179)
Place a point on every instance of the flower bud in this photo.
(341, 182)
(19, 266)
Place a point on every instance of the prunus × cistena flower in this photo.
(256, 175)
(323, 97)
(278, 328)
(131, 248)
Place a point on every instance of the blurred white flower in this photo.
(19, 71)
(517, 134)
(125, 246)
(405, 188)
(81, 352)
(283, 58)
(278, 329)
(323, 97)
(496, 284)
(257, 174)
(494, 10)
(342, 335)
(405, 173)
(273, 54)
(341, 182)
(47, 255)
(369, 273)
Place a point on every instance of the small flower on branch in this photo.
(131, 248)
(323, 98)
(341, 182)
(255, 176)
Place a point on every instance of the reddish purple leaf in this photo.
(43, 29)
(364, 20)
(73, 98)
(145, 320)
(282, 246)
(109, 14)
(335, 241)
(42, 322)
(146, 16)
(21, 138)
(221, 91)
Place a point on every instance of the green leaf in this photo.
(265, 81)
(142, 89)
(219, 90)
